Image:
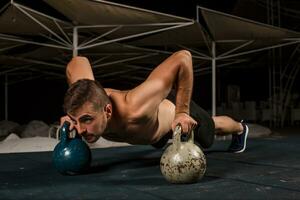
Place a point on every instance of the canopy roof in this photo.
(228, 27)
(122, 39)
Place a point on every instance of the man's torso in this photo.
(136, 126)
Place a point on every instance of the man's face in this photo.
(90, 122)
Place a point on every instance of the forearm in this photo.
(184, 87)
(176, 71)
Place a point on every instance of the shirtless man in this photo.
(146, 114)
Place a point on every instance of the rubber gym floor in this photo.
(269, 169)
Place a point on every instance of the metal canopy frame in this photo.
(87, 45)
(62, 41)
(231, 53)
(74, 46)
(68, 39)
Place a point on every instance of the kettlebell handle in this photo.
(177, 136)
(64, 131)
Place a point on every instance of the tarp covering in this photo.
(228, 27)
(17, 20)
(87, 12)
(117, 37)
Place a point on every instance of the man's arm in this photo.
(79, 68)
(177, 70)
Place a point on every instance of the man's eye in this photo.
(87, 120)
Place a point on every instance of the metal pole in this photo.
(101, 36)
(281, 103)
(258, 50)
(75, 41)
(197, 13)
(129, 25)
(271, 83)
(15, 39)
(213, 78)
(137, 35)
(6, 96)
(270, 117)
(21, 8)
(31, 61)
(124, 60)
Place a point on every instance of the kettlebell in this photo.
(182, 161)
(71, 155)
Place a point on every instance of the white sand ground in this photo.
(14, 144)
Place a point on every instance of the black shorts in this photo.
(204, 133)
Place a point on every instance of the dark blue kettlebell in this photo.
(71, 155)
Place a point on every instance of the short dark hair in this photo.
(82, 91)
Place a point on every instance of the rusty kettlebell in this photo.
(183, 161)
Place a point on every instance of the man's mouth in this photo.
(89, 138)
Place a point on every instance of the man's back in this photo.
(135, 125)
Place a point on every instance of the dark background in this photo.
(41, 99)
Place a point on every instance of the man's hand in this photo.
(186, 122)
(67, 118)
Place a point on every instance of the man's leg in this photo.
(204, 133)
(225, 125)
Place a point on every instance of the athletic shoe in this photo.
(239, 142)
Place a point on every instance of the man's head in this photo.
(88, 105)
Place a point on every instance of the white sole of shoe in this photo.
(245, 141)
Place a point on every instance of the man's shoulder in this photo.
(112, 91)
(118, 98)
